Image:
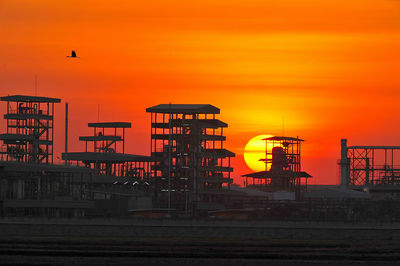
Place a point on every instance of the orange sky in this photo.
(330, 68)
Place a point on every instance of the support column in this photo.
(66, 131)
(344, 164)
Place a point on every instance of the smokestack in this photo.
(66, 129)
(344, 164)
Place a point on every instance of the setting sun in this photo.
(254, 151)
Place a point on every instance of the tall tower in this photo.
(30, 123)
(192, 165)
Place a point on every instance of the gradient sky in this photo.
(329, 69)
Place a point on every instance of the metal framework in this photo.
(282, 166)
(283, 153)
(107, 139)
(111, 183)
(30, 123)
(373, 165)
(192, 165)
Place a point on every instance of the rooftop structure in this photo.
(29, 99)
(184, 109)
(30, 123)
(192, 165)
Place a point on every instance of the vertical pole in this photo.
(123, 140)
(367, 167)
(103, 143)
(52, 128)
(392, 167)
(386, 164)
(169, 162)
(229, 173)
(373, 166)
(94, 142)
(266, 156)
(66, 130)
(151, 133)
(8, 126)
(344, 164)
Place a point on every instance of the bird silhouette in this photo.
(73, 54)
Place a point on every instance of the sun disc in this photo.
(254, 151)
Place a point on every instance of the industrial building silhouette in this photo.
(103, 180)
(188, 172)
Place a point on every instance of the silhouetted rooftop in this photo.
(25, 98)
(111, 124)
(264, 174)
(184, 109)
(278, 138)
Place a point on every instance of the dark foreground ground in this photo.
(140, 242)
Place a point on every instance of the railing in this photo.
(26, 110)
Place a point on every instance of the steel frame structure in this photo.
(104, 155)
(105, 141)
(30, 123)
(373, 165)
(282, 167)
(287, 175)
(188, 143)
(30, 184)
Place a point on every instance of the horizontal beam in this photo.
(184, 109)
(28, 116)
(202, 123)
(25, 98)
(100, 138)
(105, 157)
(375, 147)
(177, 136)
(111, 124)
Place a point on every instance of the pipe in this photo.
(344, 164)
(66, 130)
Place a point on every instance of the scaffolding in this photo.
(370, 165)
(282, 167)
(100, 181)
(30, 123)
(187, 142)
(102, 153)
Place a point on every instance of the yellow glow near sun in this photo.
(254, 151)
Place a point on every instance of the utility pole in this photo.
(169, 161)
(66, 130)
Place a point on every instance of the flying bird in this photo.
(73, 54)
